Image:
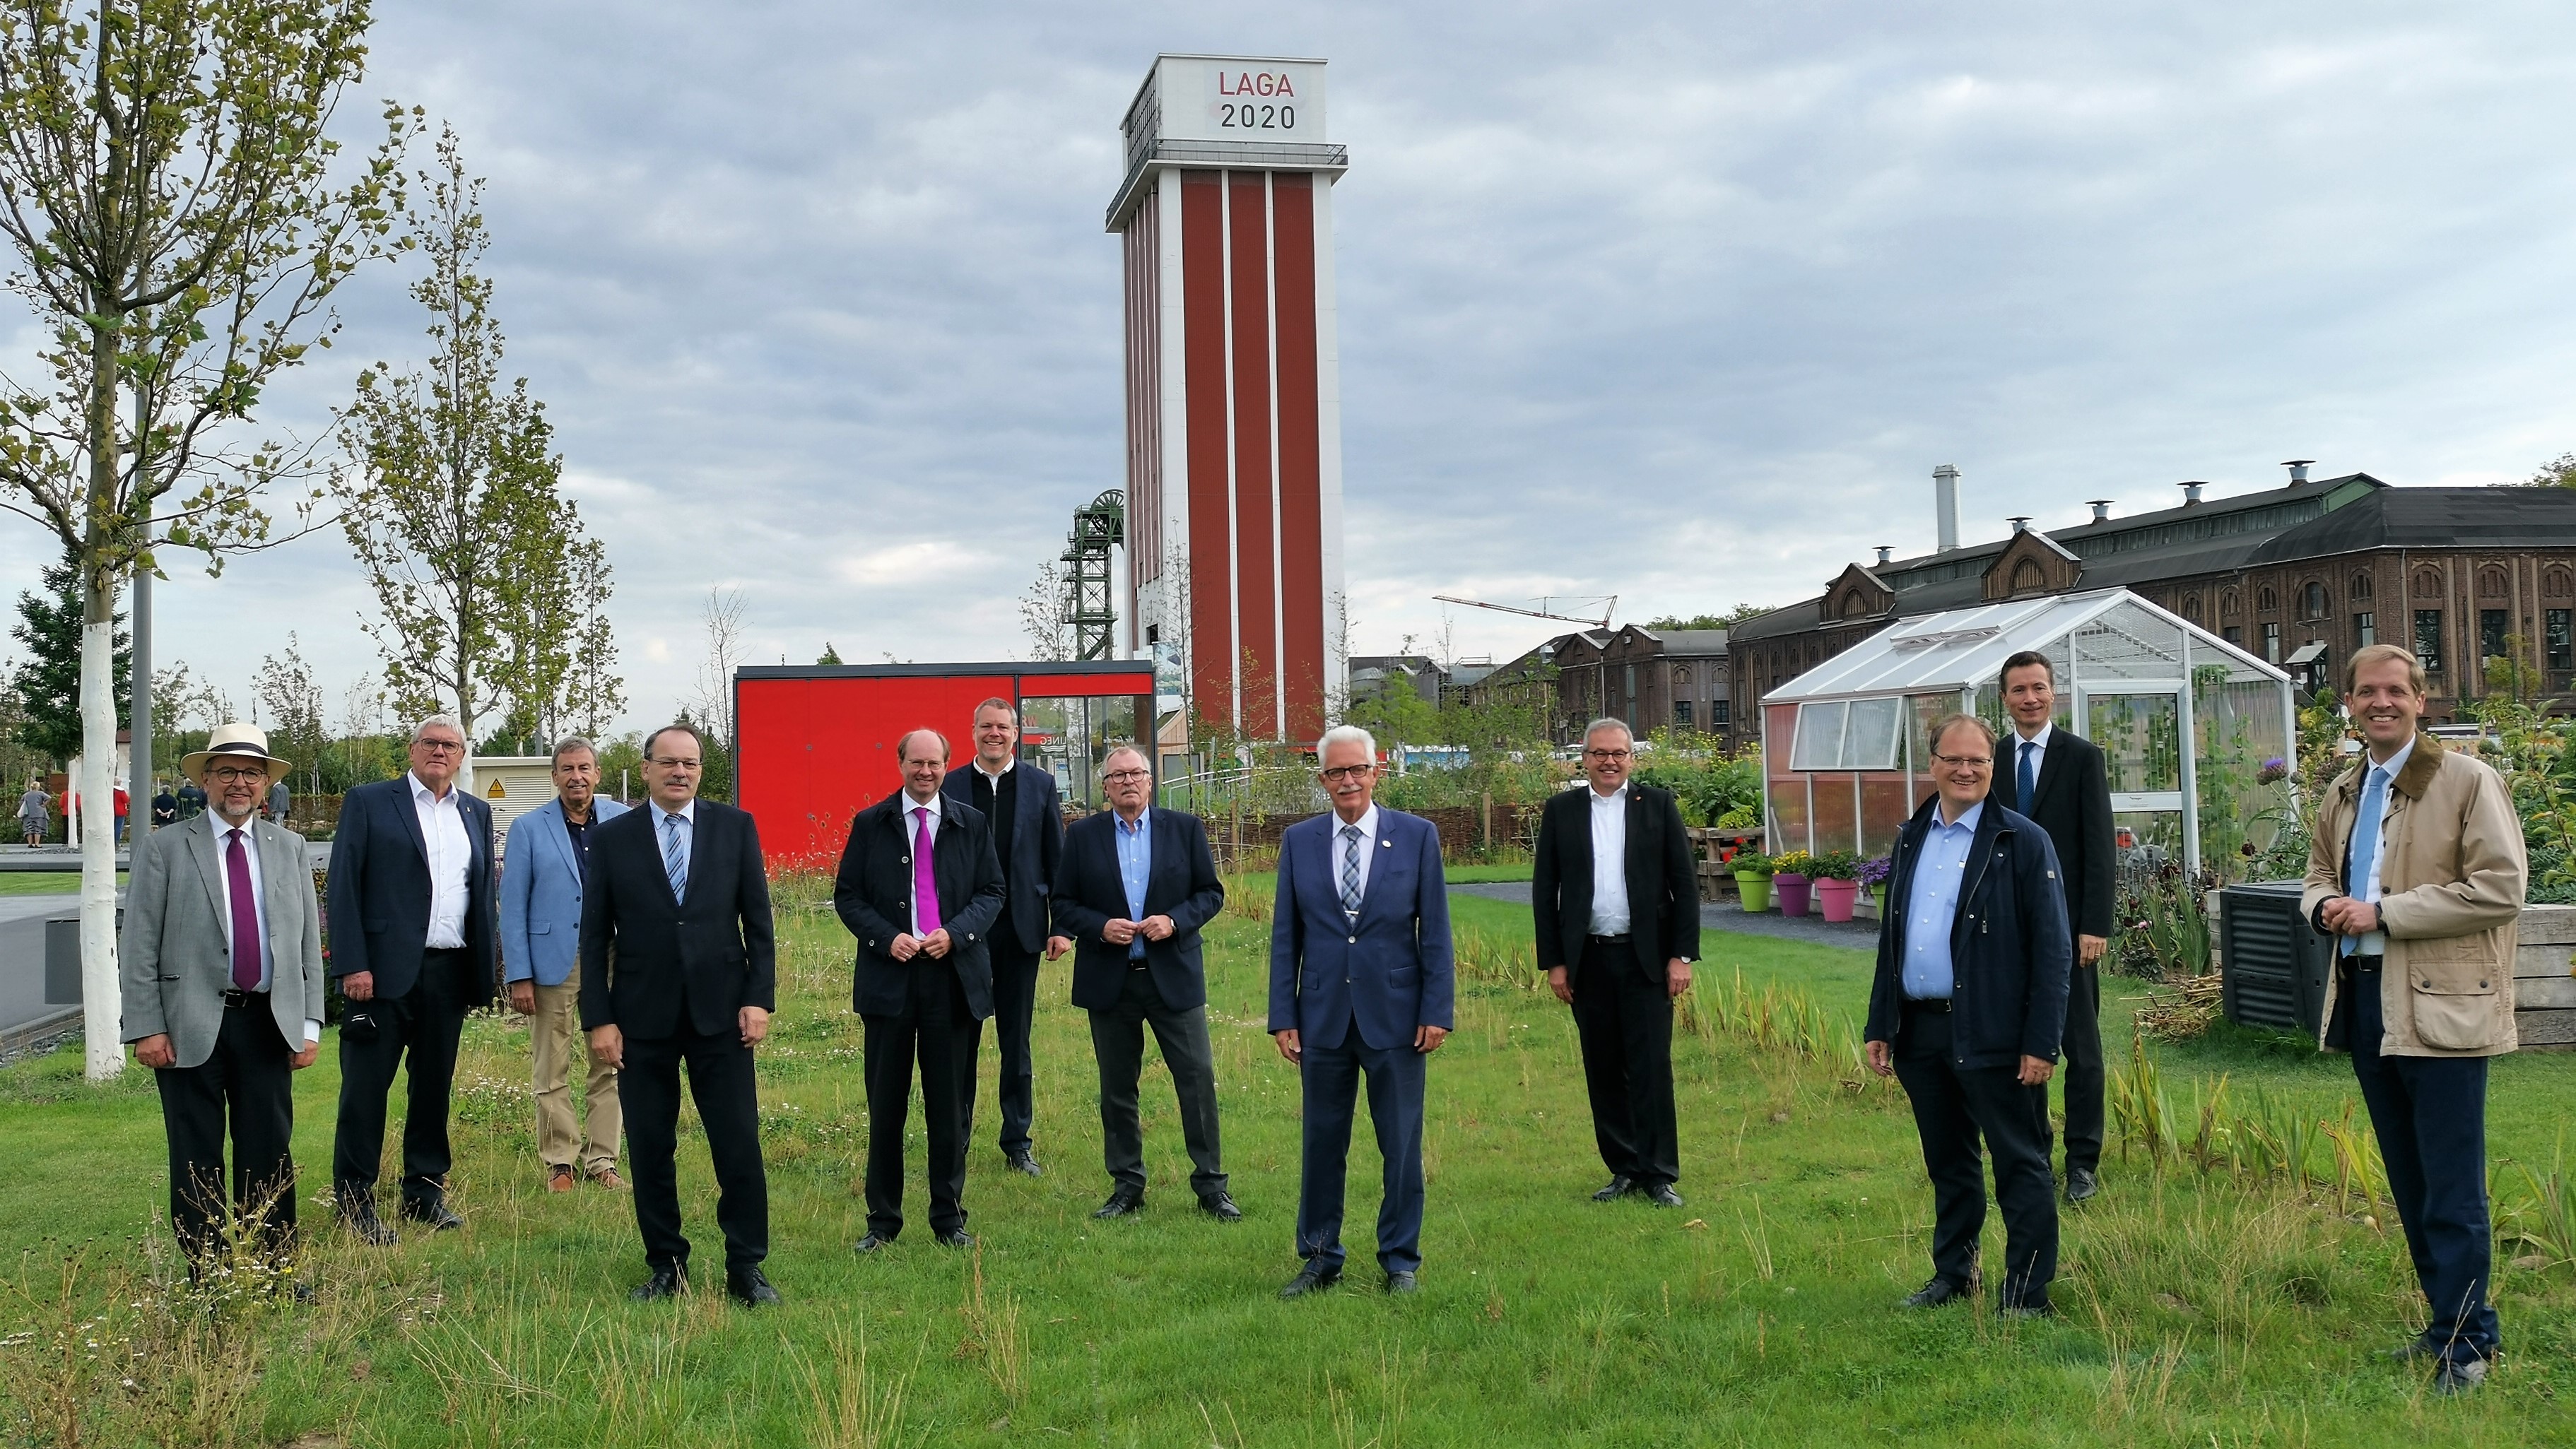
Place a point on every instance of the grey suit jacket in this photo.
(174, 967)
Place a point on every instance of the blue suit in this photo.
(541, 894)
(1356, 992)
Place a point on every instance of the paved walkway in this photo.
(1725, 916)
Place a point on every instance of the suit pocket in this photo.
(539, 928)
(2458, 989)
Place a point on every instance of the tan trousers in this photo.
(557, 1029)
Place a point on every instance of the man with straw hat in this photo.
(222, 987)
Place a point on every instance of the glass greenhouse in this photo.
(1844, 756)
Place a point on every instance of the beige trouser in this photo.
(557, 1029)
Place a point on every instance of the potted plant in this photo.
(1873, 878)
(1837, 878)
(1791, 875)
(1752, 879)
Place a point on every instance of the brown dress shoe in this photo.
(607, 1177)
(559, 1180)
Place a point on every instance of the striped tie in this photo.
(675, 857)
(1350, 870)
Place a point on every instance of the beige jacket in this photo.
(2451, 880)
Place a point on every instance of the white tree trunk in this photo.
(102, 1001)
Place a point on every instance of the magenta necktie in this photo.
(925, 886)
(245, 916)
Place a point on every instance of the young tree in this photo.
(596, 693)
(452, 507)
(289, 703)
(711, 707)
(168, 183)
(1042, 614)
(47, 681)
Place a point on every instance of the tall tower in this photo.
(1234, 431)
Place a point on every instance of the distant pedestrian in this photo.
(123, 804)
(192, 800)
(35, 812)
(165, 806)
(278, 800)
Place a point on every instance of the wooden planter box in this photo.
(2544, 993)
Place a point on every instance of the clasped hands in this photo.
(2345, 916)
(908, 945)
(1122, 932)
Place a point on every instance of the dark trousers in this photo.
(1015, 1004)
(1118, 1041)
(1623, 1013)
(424, 1023)
(721, 1082)
(1953, 1107)
(2430, 1114)
(937, 1027)
(2081, 1071)
(250, 1080)
(1329, 1078)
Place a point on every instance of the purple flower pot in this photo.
(1790, 891)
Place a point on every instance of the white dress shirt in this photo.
(451, 856)
(912, 839)
(224, 834)
(2367, 891)
(1367, 825)
(1609, 861)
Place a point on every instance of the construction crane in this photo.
(1609, 605)
(1090, 602)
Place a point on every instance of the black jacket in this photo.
(2010, 951)
(2071, 800)
(1181, 883)
(379, 890)
(1037, 843)
(1663, 881)
(873, 894)
(645, 958)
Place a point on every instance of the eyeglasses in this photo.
(448, 747)
(1120, 777)
(1348, 772)
(227, 775)
(1971, 763)
(1607, 754)
(674, 761)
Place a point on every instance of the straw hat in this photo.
(246, 741)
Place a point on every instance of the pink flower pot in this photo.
(1836, 897)
(1791, 892)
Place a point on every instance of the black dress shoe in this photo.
(954, 1238)
(1401, 1281)
(2082, 1183)
(1021, 1161)
(1315, 1276)
(871, 1243)
(1661, 1195)
(1619, 1187)
(433, 1212)
(749, 1287)
(1936, 1293)
(366, 1227)
(1220, 1206)
(665, 1283)
(1121, 1203)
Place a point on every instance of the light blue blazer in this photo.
(541, 894)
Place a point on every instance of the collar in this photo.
(418, 790)
(1367, 823)
(2041, 739)
(687, 813)
(995, 776)
(1967, 819)
(909, 804)
(223, 827)
(1597, 797)
(1144, 818)
(2396, 762)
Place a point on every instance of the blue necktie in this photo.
(675, 857)
(2365, 841)
(2022, 778)
(1350, 870)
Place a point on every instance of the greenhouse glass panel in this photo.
(2146, 840)
(1885, 806)
(2141, 740)
(1928, 710)
(2127, 643)
(1836, 826)
(1869, 740)
(2241, 768)
(1820, 736)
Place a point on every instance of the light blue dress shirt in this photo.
(1932, 904)
(1135, 866)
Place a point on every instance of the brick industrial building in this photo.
(2300, 575)
(1651, 678)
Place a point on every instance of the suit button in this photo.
(1355, 940)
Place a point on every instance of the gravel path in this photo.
(1814, 929)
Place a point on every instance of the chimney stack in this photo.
(1885, 550)
(2298, 470)
(2191, 494)
(2020, 522)
(2101, 509)
(1945, 509)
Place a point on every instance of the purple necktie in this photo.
(925, 886)
(245, 916)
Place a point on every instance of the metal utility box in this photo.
(2272, 964)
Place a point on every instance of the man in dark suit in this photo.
(1618, 945)
(1135, 886)
(2058, 778)
(1966, 1010)
(222, 992)
(1362, 980)
(679, 963)
(919, 887)
(1027, 818)
(412, 936)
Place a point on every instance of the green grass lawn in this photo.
(2197, 1310)
(44, 882)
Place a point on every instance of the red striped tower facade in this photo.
(1234, 448)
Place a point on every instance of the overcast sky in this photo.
(1678, 302)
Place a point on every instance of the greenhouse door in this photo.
(2140, 732)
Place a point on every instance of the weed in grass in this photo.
(994, 1337)
(852, 1408)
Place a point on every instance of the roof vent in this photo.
(2101, 509)
(2191, 494)
(2020, 522)
(1885, 552)
(2298, 470)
